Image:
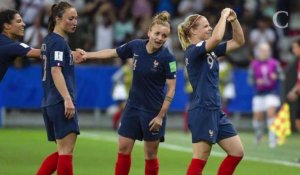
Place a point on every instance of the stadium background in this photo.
(110, 23)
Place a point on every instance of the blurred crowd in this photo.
(110, 23)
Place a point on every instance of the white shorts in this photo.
(261, 103)
(119, 92)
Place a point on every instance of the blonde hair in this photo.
(161, 18)
(184, 29)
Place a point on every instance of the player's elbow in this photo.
(55, 71)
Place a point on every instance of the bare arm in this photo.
(34, 53)
(157, 121)
(61, 86)
(103, 54)
(218, 32)
(238, 38)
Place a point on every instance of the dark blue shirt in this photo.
(9, 51)
(203, 73)
(56, 52)
(150, 72)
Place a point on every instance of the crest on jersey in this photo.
(155, 65)
(211, 133)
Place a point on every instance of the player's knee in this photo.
(151, 155)
(125, 149)
(238, 153)
(66, 150)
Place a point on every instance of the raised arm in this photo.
(218, 32)
(238, 38)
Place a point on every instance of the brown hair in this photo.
(57, 10)
(184, 29)
(6, 16)
(161, 18)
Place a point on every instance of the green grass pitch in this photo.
(22, 151)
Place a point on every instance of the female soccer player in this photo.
(144, 117)
(58, 79)
(264, 72)
(12, 28)
(208, 124)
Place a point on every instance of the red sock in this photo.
(196, 167)
(64, 166)
(116, 119)
(49, 165)
(228, 165)
(123, 164)
(152, 167)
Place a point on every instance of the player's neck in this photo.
(9, 35)
(60, 32)
(195, 40)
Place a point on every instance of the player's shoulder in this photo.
(53, 37)
(138, 42)
(167, 55)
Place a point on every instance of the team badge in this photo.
(211, 133)
(155, 65)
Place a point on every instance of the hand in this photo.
(79, 55)
(232, 16)
(226, 12)
(155, 124)
(69, 108)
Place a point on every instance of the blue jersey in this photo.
(9, 50)
(56, 52)
(203, 73)
(150, 72)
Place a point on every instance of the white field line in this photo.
(187, 149)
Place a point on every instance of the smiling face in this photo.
(15, 28)
(68, 22)
(202, 29)
(158, 35)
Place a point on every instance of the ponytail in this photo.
(184, 29)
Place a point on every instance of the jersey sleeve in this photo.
(170, 67)
(19, 49)
(125, 51)
(220, 50)
(198, 49)
(57, 54)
